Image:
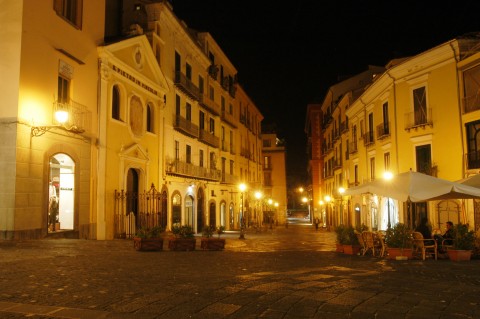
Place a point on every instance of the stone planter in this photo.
(351, 249)
(398, 254)
(212, 243)
(181, 244)
(459, 255)
(150, 244)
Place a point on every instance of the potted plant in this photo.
(351, 246)
(340, 237)
(183, 238)
(399, 242)
(149, 239)
(208, 241)
(463, 243)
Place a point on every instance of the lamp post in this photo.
(242, 187)
(258, 196)
(388, 176)
(327, 200)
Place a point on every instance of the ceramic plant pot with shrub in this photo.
(463, 243)
(351, 246)
(399, 242)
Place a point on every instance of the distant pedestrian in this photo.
(317, 221)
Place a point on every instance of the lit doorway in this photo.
(61, 193)
(189, 213)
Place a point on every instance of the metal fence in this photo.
(134, 210)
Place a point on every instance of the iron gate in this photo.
(133, 211)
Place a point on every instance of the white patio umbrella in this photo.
(416, 187)
(473, 181)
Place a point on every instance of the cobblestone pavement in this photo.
(278, 273)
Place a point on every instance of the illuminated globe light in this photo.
(328, 199)
(258, 195)
(341, 190)
(61, 116)
(387, 175)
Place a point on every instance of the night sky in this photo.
(289, 53)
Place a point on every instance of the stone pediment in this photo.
(134, 151)
(133, 60)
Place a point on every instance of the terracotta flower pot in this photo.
(393, 253)
(459, 255)
(351, 249)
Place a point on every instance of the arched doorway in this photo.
(176, 209)
(223, 214)
(213, 214)
(61, 193)
(132, 194)
(200, 210)
(189, 213)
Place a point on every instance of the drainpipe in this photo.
(462, 129)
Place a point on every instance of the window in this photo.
(231, 167)
(177, 150)
(372, 168)
(63, 89)
(201, 119)
(200, 84)
(177, 105)
(213, 160)
(150, 118)
(188, 71)
(70, 10)
(188, 110)
(370, 128)
(188, 154)
(211, 93)
(386, 159)
(386, 126)
(212, 126)
(473, 144)
(200, 159)
(355, 169)
(423, 157)
(266, 162)
(472, 89)
(420, 106)
(116, 102)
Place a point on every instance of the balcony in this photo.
(344, 127)
(181, 168)
(383, 130)
(187, 86)
(227, 117)
(209, 104)
(418, 119)
(208, 138)
(183, 125)
(368, 139)
(229, 179)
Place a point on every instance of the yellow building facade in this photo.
(410, 118)
(113, 122)
(48, 117)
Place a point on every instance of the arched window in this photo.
(150, 119)
(116, 103)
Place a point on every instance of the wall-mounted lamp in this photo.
(61, 118)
